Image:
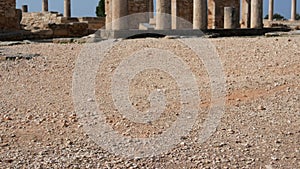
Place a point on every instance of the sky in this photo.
(87, 7)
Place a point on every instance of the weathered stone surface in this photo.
(182, 9)
(48, 24)
(216, 12)
(294, 10)
(271, 9)
(246, 12)
(256, 14)
(11, 43)
(163, 15)
(77, 29)
(291, 33)
(63, 40)
(119, 10)
(9, 16)
(67, 8)
(24, 8)
(229, 18)
(93, 22)
(200, 14)
(38, 20)
(45, 5)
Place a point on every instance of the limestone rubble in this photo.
(39, 127)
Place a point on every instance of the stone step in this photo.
(152, 21)
(146, 26)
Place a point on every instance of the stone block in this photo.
(10, 12)
(145, 26)
(8, 16)
(60, 32)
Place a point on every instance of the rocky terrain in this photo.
(260, 128)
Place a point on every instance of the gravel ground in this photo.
(260, 127)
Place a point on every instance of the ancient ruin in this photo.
(186, 15)
(166, 15)
(202, 13)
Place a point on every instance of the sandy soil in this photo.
(260, 127)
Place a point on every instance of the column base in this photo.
(114, 34)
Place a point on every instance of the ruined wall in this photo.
(183, 10)
(10, 17)
(41, 20)
(93, 22)
(138, 6)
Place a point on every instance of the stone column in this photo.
(229, 18)
(151, 8)
(257, 14)
(45, 6)
(294, 10)
(174, 12)
(246, 12)
(163, 14)
(24, 8)
(271, 10)
(119, 11)
(67, 8)
(200, 14)
(108, 14)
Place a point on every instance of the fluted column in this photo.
(67, 8)
(163, 14)
(119, 11)
(294, 10)
(271, 10)
(257, 14)
(45, 6)
(200, 14)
